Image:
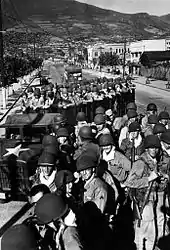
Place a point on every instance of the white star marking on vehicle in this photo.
(15, 151)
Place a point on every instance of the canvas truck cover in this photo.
(72, 70)
(34, 120)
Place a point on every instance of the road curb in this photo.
(151, 86)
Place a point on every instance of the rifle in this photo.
(147, 194)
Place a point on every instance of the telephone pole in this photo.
(2, 58)
(124, 58)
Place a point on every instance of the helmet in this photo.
(46, 159)
(51, 149)
(63, 177)
(18, 237)
(59, 118)
(100, 110)
(62, 132)
(159, 128)
(99, 119)
(152, 141)
(151, 107)
(106, 140)
(85, 132)
(87, 160)
(152, 119)
(50, 208)
(131, 105)
(165, 137)
(49, 140)
(134, 127)
(163, 115)
(81, 116)
(131, 113)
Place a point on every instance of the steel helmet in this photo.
(131, 105)
(87, 160)
(85, 132)
(59, 118)
(18, 237)
(152, 141)
(49, 140)
(163, 115)
(134, 127)
(99, 119)
(81, 116)
(153, 119)
(159, 128)
(106, 140)
(46, 159)
(151, 107)
(50, 208)
(99, 110)
(62, 132)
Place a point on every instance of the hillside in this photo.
(72, 19)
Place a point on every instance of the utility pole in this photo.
(2, 59)
(34, 45)
(124, 58)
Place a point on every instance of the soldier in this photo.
(134, 142)
(81, 121)
(86, 142)
(95, 188)
(36, 103)
(66, 150)
(132, 116)
(163, 187)
(130, 106)
(142, 179)
(46, 171)
(53, 211)
(152, 121)
(49, 100)
(151, 110)
(19, 237)
(158, 129)
(118, 164)
(164, 118)
(100, 121)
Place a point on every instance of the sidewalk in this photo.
(158, 84)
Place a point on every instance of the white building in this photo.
(96, 50)
(137, 48)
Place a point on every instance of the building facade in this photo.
(137, 48)
(96, 50)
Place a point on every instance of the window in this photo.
(96, 54)
(136, 54)
(119, 50)
(116, 50)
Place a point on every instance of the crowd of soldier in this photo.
(88, 173)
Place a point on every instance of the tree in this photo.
(108, 59)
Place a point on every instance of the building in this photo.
(152, 57)
(137, 48)
(96, 50)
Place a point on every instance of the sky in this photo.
(154, 7)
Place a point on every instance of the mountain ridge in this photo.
(73, 19)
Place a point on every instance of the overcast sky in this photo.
(155, 7)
